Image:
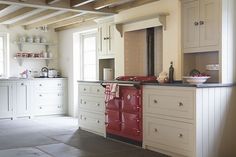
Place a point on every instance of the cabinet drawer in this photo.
(53, 97)
(176, 103)
(174, 135)
(92, 103)
(49, 84)
(98, 90)
(91, 121)
(89, 89)
(85, 89)
(49, 109)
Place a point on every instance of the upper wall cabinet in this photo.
(106, 39)
(201, 25)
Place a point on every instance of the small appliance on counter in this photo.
(52, 73)
(44, 72)
(107, 74)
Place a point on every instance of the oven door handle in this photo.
(124, 85)
(120, 84)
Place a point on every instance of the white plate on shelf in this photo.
(196, 80)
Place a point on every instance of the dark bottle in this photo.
(171, 73)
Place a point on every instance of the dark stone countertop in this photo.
(175, 84)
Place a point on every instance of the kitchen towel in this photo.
(111, 91)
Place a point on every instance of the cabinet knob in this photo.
(181, 104)
(155, 101)
(84, 89)
(98, 105)
(40, 107)
(181, 135)
(22, 84)
(201, 22)
(40, 84)
(85, 118)
(84, 102)
(196, 23)
(40, 95)
(98, 121)
(98, 90)
(155, 130)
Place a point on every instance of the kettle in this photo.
(44, 72)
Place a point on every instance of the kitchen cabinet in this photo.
(189, 121)
(106, 40)
(201, 25)
(6, 100)
(23, 99)
(50, 97)
(92, 107)
(27, 98)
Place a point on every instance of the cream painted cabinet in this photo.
(201, 25)
(23, 98)
(50, 96)
(106, 40)
(92, 107)
(189, 121)
(168, 119)
(6, 100)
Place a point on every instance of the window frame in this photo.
(5, 37)
(91, 33)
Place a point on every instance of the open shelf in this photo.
(21, 59)
(33, 43)
(20, 44)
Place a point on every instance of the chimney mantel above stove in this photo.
(141, 23)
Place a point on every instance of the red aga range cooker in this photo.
(124, 119)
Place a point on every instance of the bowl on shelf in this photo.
(196, 79)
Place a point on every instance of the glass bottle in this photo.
(171, 73)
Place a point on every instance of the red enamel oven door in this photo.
(113, 104)
(113, 122)
(131, 99)
(132, 126)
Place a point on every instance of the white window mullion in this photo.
(88, 56)
(4, 54)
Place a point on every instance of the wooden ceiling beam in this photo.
(51, 20)
(76, 25)
(52, 1)
(16, 13)
(132, 4)
(63, 5)
(77, 3)
(104, 3)
(74, 20)
(33, 17)
(3, 6)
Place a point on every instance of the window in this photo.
(88, 56)
(3, 55)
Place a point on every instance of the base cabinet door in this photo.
(23, 95)
(92, 122)
(6, 102)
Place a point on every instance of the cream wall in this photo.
(69, 63)
(171, 37)
(14, 33)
